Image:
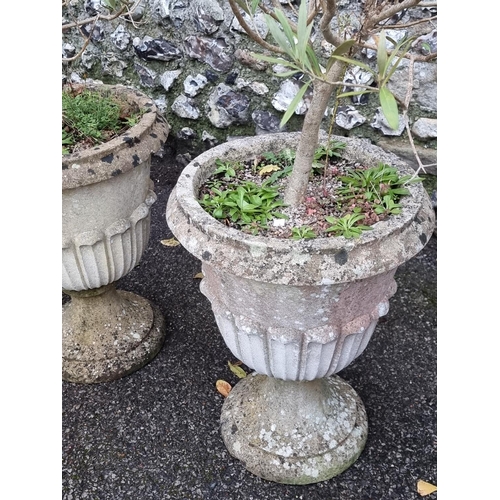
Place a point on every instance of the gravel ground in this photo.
(155, 433)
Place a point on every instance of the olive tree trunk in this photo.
(299, 178)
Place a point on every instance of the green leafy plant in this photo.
(360, 198)
(376, 182)
(226, 168)
(132, 120)
(347, 226)
(67, 140)
(285, 157)
(248, 205)
(302, 232)
(387, 206)
(88, 118)
(387, 65)
(324, 152)
(330, 150)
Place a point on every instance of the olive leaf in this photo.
(354, 62)
(303, 32)
(382, 54)
(284, 37)
(344, 47)
(238, 371)
(389, 107)
(111, 4)
(295, 102)
(277, 60)
(355, 92)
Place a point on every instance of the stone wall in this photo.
(194, 59)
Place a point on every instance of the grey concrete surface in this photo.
(155, 434)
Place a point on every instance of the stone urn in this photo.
(297, 313)
(107, 194)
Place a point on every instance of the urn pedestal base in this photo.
(107, 334)
(296, 312)
(294, 432)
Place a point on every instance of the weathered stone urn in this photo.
(107, 194)
(296, 312)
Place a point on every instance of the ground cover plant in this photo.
(342, 199)
(90, 117)
(313, 192)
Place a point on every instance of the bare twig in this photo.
(277, 5)
(250, 32)
(393, 9)
(314, 6)
(83, 22)
(80, 52)
(125, 9)
(407, 25)
(409, 92)
(329, 8)
(86, 41)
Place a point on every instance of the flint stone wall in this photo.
(193, 58)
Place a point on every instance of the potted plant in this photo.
(107, 194)
(299, 310)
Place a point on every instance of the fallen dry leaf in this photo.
(199, 276)
(424, 488)
(223, 387)
(239, 372)
(172, 242)
(268, 169)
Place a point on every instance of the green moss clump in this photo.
(92, 117)
(90, 113)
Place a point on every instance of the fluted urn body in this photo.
(107, 194)
(297, 312)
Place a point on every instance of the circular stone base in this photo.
(294, 432)
(108, 336)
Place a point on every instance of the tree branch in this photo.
(401, 26)
(83, 22)
(329, 10)
(251, 33)
(392, 10)
(428, 57)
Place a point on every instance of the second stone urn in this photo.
(107, 195)
(297, 313)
